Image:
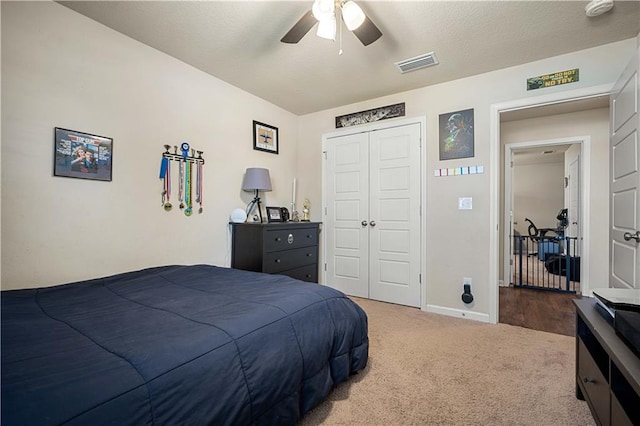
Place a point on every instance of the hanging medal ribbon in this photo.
(199, 188)
(167, 186)
(163, 176)
(187, 189)
(181, 184)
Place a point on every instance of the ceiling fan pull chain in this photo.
(341, 23)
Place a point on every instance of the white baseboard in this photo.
(458, 313)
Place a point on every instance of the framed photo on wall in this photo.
(265, 137)
(82, 155)
(456, 135)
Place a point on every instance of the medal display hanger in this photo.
(188, 178)
(184, 154)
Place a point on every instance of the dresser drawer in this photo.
(306, 273)
(284, 239)
(288, 259)
(594, 384)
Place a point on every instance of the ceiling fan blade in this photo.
(367, 32)
(299, 30)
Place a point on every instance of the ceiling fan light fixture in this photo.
(327, 28)
(352, 15)
(323, 9)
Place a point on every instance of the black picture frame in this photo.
(456, 134)
(265, 137)
(370, 115)
(274, 214)
(82, 155)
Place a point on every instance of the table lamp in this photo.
(256, 179)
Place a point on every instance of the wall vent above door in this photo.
(422, 61)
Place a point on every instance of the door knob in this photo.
(364, 223)
(628, 236)
(372, 223)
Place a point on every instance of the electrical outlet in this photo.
(466, 280)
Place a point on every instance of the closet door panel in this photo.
(347, 184)
(394, 215)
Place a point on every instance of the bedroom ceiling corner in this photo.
(239, 42)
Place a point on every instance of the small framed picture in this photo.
(265, 137)
(82, 155)
(274, 214)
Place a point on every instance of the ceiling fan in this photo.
(324, 13)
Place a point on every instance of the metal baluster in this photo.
(568, 260)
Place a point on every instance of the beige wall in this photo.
(61, 69)
(538, 194)
(457, 242)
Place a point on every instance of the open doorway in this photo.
(543, 213)
(525, 134)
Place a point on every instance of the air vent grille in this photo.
(422, 61)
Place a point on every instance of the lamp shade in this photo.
(352, 15)
(327, 28)
(323, 9)
(256, 179)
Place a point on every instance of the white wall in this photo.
(538, 194)
(458, 241)
(61, 69)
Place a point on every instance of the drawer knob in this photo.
(308, 275)
(278, 239)
(308, 254)
(277, 260)
(290, 239)
(309, 236)
(588, 380)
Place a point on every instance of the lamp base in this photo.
(256, 200)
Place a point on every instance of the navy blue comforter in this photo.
(176, 345)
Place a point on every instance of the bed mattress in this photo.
(176, 345)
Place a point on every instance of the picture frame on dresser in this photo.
(274, 214)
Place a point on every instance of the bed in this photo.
(176, 345)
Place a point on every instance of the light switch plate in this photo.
(465, 203)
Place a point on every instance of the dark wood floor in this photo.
(538, 309)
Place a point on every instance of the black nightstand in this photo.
(288, 248)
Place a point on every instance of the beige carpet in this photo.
(429, 369)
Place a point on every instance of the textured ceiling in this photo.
(238, 42)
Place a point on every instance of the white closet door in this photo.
(347, 203)
(394, 215)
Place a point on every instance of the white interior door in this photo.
(347, 214)
(394, 215)
(625, 180)
(511, 245)
(573, 207)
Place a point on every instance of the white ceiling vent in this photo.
(422, 61)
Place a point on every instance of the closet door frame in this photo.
(326, 138)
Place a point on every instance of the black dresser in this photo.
(289, 248)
